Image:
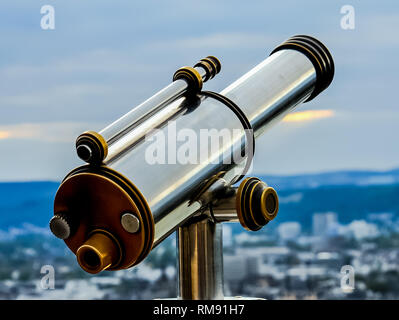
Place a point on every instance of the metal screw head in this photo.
(130, 222)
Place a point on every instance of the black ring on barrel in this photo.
(249, 132)
(216, 62)
(318, 54)
(208, 67)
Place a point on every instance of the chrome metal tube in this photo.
(143, 127)
(200, 260)
(93, 147)
(273, 88)
(265, 94)
(225, 210)
(145, 110)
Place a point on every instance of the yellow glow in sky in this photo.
(4, 134)
(308, 115)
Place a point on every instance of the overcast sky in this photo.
(104, 57)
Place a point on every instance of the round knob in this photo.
(130, 222)
(256, 204)
(60, 226)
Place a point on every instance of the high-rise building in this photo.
(323, 223)
(289, 230)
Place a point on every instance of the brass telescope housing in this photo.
(114, 210)
(97, 197)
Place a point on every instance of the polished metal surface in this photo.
(116, 129)
(265, 94)
(200, 260)
(142, 128)
(225, 210)
(143, 111)
(273, 88)
(169, 186)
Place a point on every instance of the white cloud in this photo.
(47, 131)
(237, 40)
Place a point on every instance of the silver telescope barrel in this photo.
(94, 147)
(133, 201)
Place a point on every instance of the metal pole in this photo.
(200, 260)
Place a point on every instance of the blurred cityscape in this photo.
(336, 236)
(282, 263)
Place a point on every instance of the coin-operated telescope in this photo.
(139, 185)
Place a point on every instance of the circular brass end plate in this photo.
(97, 201)
(269, 203)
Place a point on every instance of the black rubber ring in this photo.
(249, 132)
(318, 54)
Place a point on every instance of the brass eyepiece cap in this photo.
(256, 204)
(91, 147)
(269, 203)
(100, 252)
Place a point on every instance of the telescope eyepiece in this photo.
(91, 147)
(256, 204)
(98, 253)
(84, 152)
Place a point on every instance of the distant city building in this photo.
(361, 229)
(227, 236)
(235, 268)
(289, 230)
(324, 223)
(246, 238)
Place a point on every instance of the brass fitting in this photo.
(256, 204)
(99, 252)
(91, 147)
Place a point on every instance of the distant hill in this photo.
(338, 178)
(351, 194)
(350, 202)
(26, 202)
